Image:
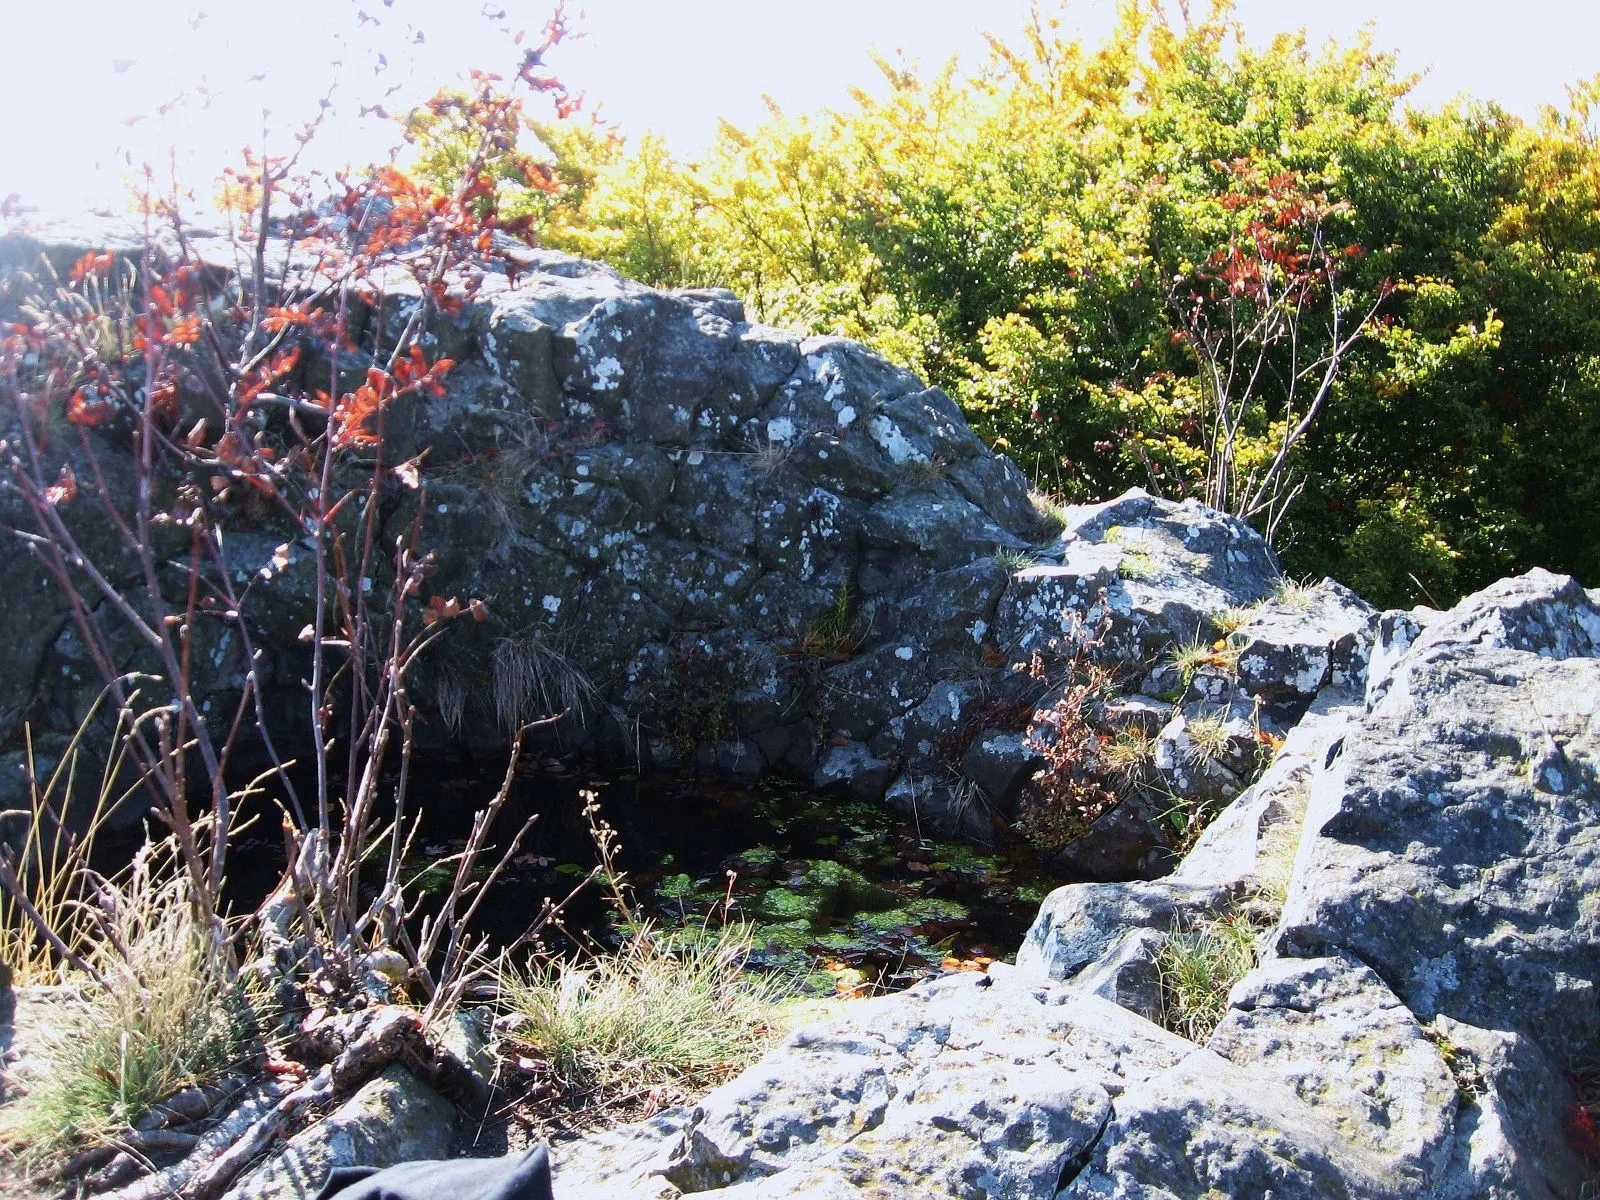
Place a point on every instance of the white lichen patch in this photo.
(894, 442)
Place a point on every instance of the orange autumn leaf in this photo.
(91, 264)
(185, 332)
(89, 410)
(64, 490)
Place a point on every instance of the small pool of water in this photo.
(841, 895)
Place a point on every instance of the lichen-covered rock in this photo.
(1140, 574)
(960, 1087)
(943, 808)
(1128, 973)
(1000, 762)
(1079, 923)
(850, 765)
(1455, 849)
(393, 1119)
(1204, 1129)
(1331, 1031)
(1309, 638)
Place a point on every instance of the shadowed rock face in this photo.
(734, 547)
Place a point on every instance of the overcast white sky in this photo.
(84, 82)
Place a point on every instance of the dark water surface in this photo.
(841, 894)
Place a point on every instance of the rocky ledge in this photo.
(1421, 861)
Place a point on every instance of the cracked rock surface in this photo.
(1425, 980)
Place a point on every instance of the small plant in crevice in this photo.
(770, 455)
(495, 481)
(1011, 560)
(1138, 565)
(1186, 818)
(1231, 620)
(838, 631)
(1294, 594)
(1130, 756)
(700, 679)
(1464, 1068)
(1279, 843)
(1075, 787)
(926, 470)
(1198, 964)
(1210, 739)
(1049, 512)
(1188, 658)
(1138, 561)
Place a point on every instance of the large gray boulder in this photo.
(1139, 572)
(700, 536)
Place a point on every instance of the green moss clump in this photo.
(676, 887)
(787, 905)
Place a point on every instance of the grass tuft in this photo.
(1209, 738)
(926, 470)
(163, 1016)
(1049, 511)
(769, 456)
(1294, 594)
(1231, 620)
(533, 680)
(1188, 657)
(659, 1013)
(1131, 754)
(50, 863)
(838, 631)
(1198, 967)
(1011, 561)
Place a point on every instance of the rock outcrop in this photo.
(717, 544)
(1422, 869)
(726, 546)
